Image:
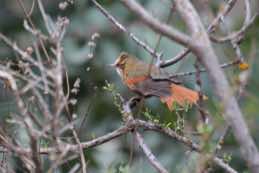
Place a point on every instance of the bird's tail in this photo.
(181, 96)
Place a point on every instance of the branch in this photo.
(124, 29)
(206, 54)
(156, 25)
(129, 119)
(223, 165)
(210, 29)
(127, 116)
(227, 8)
(167, 131)
(176, 59)
(225, 65)
(237, 35)
(124, 130)
(152, 159)
(13, 45)
(131, 124)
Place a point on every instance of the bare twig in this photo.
(158, 59)
(223, 165)
(152, 159)
(220, 17)
(74, 169)
(225, 65)
(237, 36)
(24, 113)
(35, 154)
(124, 29)
(27, 15)
(176, 59)
(41, 68)
(14, 46)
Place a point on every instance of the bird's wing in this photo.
(149, 87)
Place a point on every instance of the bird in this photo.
(148, 80)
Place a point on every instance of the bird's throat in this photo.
(120, 72)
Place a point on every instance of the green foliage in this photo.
(110, 87)
(186, 107)
(227, 157)
(205, 128)
(44, 143)
(177, 125)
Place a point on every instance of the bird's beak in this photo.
(112, 65)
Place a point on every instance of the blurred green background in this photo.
(96, 110)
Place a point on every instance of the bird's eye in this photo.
(122, 60)
(123, 57)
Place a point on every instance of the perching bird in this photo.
(149, 80)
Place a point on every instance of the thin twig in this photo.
(225, 65)
(223, 165)
(237, 35)
(124, 29)
(152, 159)
(14, 46)
(220, 17)
(27, 15)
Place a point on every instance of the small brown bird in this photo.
(149, 80)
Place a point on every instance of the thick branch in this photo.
(152, 159)
(156, 25)
(232, 113)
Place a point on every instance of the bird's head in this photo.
(120, 62)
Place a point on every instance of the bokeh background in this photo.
(96, 109)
